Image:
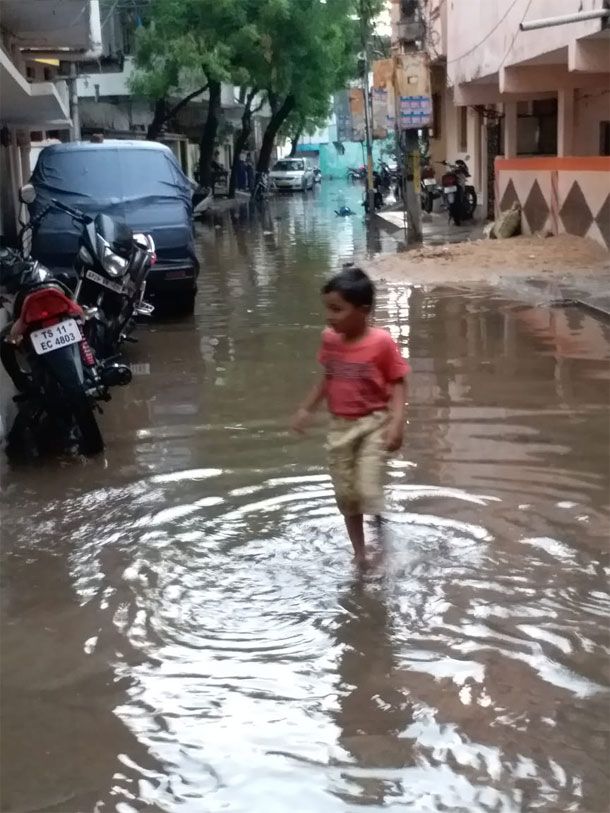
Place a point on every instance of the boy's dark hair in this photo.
(353, 285)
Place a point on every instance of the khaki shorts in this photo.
(356, 458)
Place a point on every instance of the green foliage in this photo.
(306, 48)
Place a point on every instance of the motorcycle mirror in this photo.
(27, 193)
(466, 158)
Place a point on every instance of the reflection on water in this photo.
(182, 626)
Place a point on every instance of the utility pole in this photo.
(75, 133)
(412, 186)
(368, 118)
(410, 142)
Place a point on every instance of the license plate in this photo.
(429, 182)
(449, 189)
(52, 338)
(117, 287)
(181, 273)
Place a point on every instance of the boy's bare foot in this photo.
(361, 560)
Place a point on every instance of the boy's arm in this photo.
(312, 401)
(394, 430)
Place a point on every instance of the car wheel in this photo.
(183, 303)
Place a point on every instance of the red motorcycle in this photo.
(46, 355)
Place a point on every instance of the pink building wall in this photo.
(484, 37)
(558, 195)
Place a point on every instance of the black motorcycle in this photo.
(54, 370)
(112, 265)
(460, 197)
(377, 194)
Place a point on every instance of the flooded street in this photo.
(183, 628)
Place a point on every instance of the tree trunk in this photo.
(163, 113)
(208, 136)
(159, 119)
(295, 142)
(241, 140)
(277, 119)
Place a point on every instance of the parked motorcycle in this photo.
(387, 175)
(55, 372)
(356, 173)
(263, 186)
(112, 265)
(429, 190)
(460, 197)
(378, 194)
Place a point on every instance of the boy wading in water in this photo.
(364, 386)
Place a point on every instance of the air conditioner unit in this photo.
(410, 32)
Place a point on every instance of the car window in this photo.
(107, 173)
(289, 166)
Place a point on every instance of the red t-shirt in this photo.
(359, 374)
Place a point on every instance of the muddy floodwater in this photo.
(182, 626)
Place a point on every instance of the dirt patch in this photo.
(489, 260)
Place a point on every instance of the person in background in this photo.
(363, 384)
(242, 175)
(249, 172)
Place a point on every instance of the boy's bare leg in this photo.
(355, 530)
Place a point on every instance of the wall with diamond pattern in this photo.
(560, 195)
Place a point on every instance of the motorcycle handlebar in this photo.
(69, 210)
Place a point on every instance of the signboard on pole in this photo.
(343, 116)
(356, 106)
(413, 93)
(384, 106)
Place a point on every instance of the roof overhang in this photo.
(34, 106)
(68, 28)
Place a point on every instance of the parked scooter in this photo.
(202, 200)
(112, 265)
(45, 353)
(460, 197)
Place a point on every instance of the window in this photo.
(463, 129)
(435, 130)
(604, 138)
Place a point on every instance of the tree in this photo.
(190, 43)
(309, 50)
(296, 52)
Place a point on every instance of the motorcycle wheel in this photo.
(99, 336)
(455, 212)
(66, 373)
(64, 413)
(184, 303)
(470, 202)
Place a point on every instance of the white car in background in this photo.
(292, 173)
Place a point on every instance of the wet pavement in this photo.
(183, 629)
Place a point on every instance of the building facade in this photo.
(36, 54)
(530, 107)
